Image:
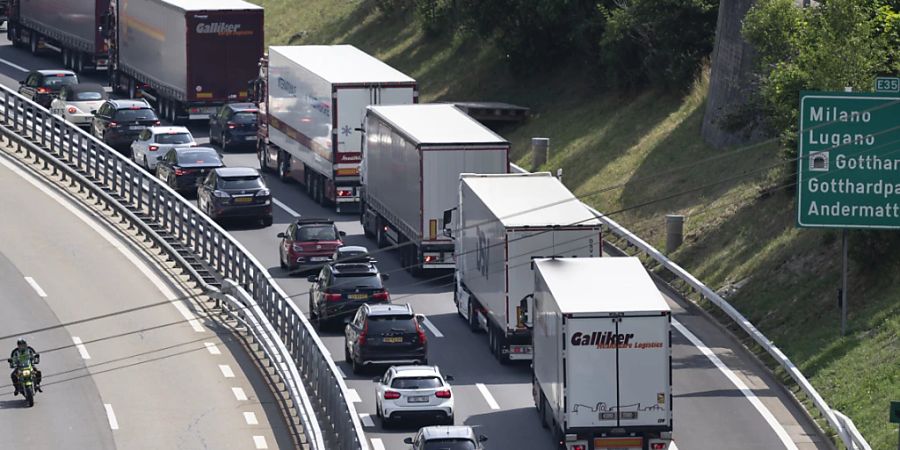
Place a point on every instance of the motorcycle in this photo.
(25, 378)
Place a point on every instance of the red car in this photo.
(308, 244)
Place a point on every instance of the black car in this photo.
(340, 289)
(385, 334)
(234, 125)
(235, 192)
(42, 86)
(119, 122)
(183, 168)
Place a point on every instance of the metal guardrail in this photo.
(311, 377)
(845, 428)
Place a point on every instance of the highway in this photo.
(723, 398)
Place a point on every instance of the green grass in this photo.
(641, 157)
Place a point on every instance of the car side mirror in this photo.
(482, 438)
(377, 380)
(408, 441)
(420, 318)
(21, 82)
(385, 276)
(342, 233)
(37, 359)
(312, 278)
(281, 235)
(448, 377)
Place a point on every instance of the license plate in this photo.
(251, 138)
(393, 340)
(322, 258)
(419, 399)
(358, 296)
(136, 127)
(243, 199)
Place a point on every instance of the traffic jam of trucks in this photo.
(429, 183)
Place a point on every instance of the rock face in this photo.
(730, 80)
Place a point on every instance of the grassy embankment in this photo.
(624, 153)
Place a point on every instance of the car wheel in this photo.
(146, 163)
(281, 261)
(450, 420)
(347, 356)
(223, 143)
(356, 366)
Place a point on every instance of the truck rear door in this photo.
(644, 375)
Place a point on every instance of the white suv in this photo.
(414, 392)
(154, 142)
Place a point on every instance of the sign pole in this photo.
(844, 245)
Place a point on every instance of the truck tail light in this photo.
(382, 295)
(429, 258)
(579, 447)
(232, 125)
(391, 395)
(344, 193)
(421, 333)
(332, 297)
(443, 394)
(153, 148)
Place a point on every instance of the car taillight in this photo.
(421, 333)
(154, 148)
(579, 447)
(156, 123)
(658, 446)
(43, 90)
(113, 124)
(232, 125)
(443, 394)
(332, 297)
(429, 258)
(344, 193)
(391, 395)
(72, 110)
(362, 335)
(381, 295)
(179, 172)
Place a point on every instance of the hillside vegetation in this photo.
(637, 155)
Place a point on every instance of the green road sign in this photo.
(895, 412)
(887, 84)
(849, 160)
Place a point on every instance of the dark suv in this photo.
(385, 334)
(308, 244)
(235, 192)
(340, 289)
(42, 86)
(119, 122)
(234, 125)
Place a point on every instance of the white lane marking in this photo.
(213, 349)
(366, 420)
(377, 444)
(36, 287)
(226, 371)
(487, 396)
(250, 418)
(751, 397)
(353, 396)
(81, 348)
(260, 442)
(285, 207)
(139, 263)
(111, 415)
(433, 329)
(13, 65)
(673, 446)
(239, 394)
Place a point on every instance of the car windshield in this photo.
(251, 182)
(58, 81)
(316, 233)
(367, 280)
(126, 115)
(174, 138)
(352, 256)
(384, 324)
(416, 383)
(198, 157)
(87, 96)
(450, 444)
(244, 117)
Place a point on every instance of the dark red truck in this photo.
(73, 28)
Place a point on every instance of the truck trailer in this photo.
(72, 28)
(187, 56)
(312, 101)
(412, 159)
(602, 354)
(503, 223)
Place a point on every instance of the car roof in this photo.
(448, 432)
(130, 103)
(313, 221)
(166, 129)
(354, 267)
(389, 310)
(55, 72)
(242, 106)
(352, 248)
(86, 87)
(416, 371)
(194, 149)
(236, 171)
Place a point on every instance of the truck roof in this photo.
(601, 285)
(342, 64)
(529, 200)
(436, 124)
(211, 5)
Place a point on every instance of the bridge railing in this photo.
(311, 378)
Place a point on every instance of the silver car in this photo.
(154, 142)
(446, 438)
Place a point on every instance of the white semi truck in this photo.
(602, 354)
(503, 223)
(412, 160)
(312, 101)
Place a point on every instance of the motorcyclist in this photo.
(24, 355)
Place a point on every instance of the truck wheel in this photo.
(380, 239)
(34, 43)
(473, 321)
(79, 62)
(65, 55)
(283, 166)
(261, 156)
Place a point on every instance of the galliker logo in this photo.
(222, 29)
(610, 340)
